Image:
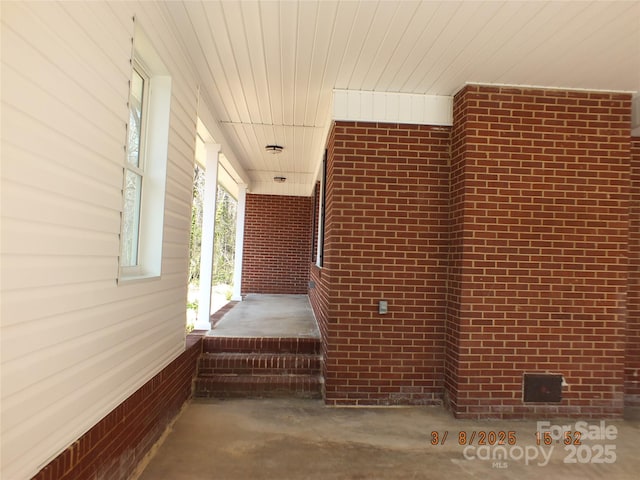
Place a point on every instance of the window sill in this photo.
(133, 279)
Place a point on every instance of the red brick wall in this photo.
(386, 238)
(315, 215)
(319, 299)
(318, 287)
(632, 367)
(277, 244)
(540, 215)
(112, 449)
(457, 187)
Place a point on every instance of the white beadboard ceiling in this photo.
(268, 68)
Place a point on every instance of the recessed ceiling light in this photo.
(274, 149)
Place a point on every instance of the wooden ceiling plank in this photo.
(270, 17)
(237, 34)
(254, 36)
(390, 47)
(289, 23)
(435, 59)
(317, 93)
(353, 46)
(196, 31)
(227, 66)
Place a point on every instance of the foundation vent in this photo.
(542, 387)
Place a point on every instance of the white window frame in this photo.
(152, 165)
(135, 270)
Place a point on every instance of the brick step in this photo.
(258, 364)
(261, 345)
(252, 386)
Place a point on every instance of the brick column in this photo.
(539, 250)
(632, 334)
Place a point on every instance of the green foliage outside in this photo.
(224, 238)
(195, 240)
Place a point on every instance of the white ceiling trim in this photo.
(387, 107)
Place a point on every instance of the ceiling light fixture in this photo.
(274, 149)
(279, 179)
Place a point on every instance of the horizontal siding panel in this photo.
(176, 264)
(18, 306)
(101, 46)
(177, 224)
(47, 208)
(42, 141)
(152, 19)
(172, 266)
(50, 425)
(27, 272)
(182, 103)
(178, 199)
(40, 104)
(107, 47)
(175, 239)
(73, 81)
(23, 237)
(181, 168)
(54, 388)
(42, 367)
(183, 129)
(72, 325)
(74, 342)
(60, 180)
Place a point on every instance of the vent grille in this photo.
(543, 388)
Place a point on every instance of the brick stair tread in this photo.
(258, 363)
(266, 377)
(307, 386)
(302, 345)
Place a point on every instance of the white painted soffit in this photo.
(354, 105)
(226, 180)
(228, 177)
(210, 131)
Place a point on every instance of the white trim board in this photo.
(353, 105)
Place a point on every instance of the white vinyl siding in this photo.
(74, 344)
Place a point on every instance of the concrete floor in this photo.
(269, 316)
(292, 439)
(284, 439)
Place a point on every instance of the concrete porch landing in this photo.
(290, 439)
(284, 316)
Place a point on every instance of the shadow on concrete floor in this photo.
(280, 439)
